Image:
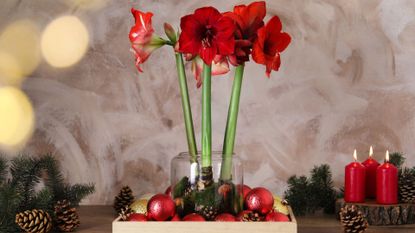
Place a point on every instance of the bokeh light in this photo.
(64, 41)
(19, 51)
(16, 118)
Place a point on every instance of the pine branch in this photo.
(54, 180)
(322, 189)
(43, 200)
(9, 203)
(3, 170)
(25, 175)
(77, 192)
(397, 159)
(297, 194)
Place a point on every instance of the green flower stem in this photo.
(206, 117)
(187, 111)
(229, 141)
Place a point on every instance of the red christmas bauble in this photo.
(244, 189)
(168, 191)
(225, 217)
(136, 217)
(276, 217)
(161, 207)
(259, 200)
(194, 217)
(176, 218)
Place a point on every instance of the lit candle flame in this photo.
(355, 155)
(371, 152)
(387, 156)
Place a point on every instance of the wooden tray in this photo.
(205, 227)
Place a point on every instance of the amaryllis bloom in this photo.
(248, 20)
(269, 44)
(207, 33)
(142, 37)
(220, 66)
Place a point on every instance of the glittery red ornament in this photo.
(259, 200)
(244, 189)
(194, 217)
(161, 207)
(136, 217)
(276, 217)
(176, 218)
(168, 191)
(225, 217)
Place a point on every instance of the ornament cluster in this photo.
(259, 205)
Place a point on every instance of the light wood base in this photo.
(205, 227)
(377, 214)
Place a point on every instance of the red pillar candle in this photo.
(371, 166)
(387, 183)
(354, 181)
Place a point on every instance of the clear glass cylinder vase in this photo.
(222, 195)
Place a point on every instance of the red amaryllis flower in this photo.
(248, 20)
(207, 33)
(269, 44)
(142, 37)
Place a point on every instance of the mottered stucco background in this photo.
(346, 81)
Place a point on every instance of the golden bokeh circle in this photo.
(64, 41)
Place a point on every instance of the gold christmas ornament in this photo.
(280, 205)
(139, 206)
(146, 196)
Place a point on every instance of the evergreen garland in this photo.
(307, 195)
(18, 193)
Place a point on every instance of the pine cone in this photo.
(249, 216)
(352, 219)
(34, 221)
(125, 213)
(208, 212)
(407, 185)
(67, 218)
(125, 197)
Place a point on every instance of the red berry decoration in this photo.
(276, 217)
(176, 218)
(136, 217)
(194, 217)
(244, 189)
(161, 208)
(259, 200)
(225, 218)
(168, 191)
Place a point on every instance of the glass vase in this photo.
(220, 196)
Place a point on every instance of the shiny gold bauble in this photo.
(139, 206)
(280, 205)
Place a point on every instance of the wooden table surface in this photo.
(98, 219)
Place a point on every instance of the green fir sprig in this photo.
(308, 195)
(18, 193)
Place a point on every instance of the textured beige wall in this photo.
(346, 82)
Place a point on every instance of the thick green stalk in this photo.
(187, 111)
(230, 131)
(206, 117)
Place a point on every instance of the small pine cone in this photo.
(125, 197)
(67, 219)
(249, 216)
(208, 212)
(407, 185)
(125, 213)
(352, 219)
(34, 221)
